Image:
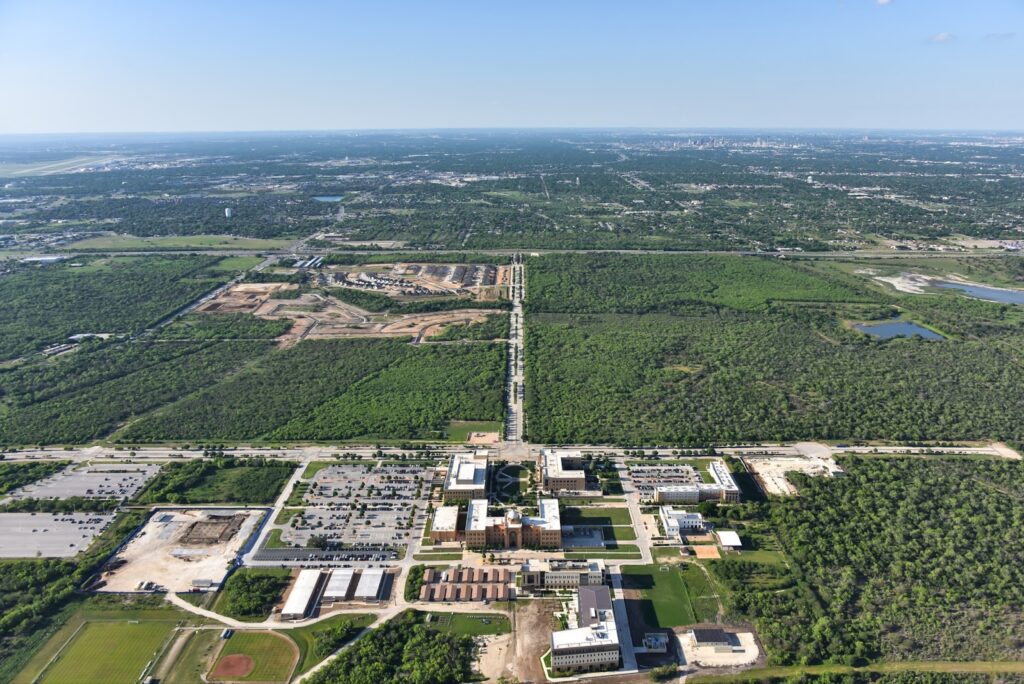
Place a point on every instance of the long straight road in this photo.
(516, 392)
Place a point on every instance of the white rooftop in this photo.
(302, 593)
(729, 538)
(446, 519)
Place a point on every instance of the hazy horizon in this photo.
(123, 67)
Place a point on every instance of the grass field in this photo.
(700, 592)
(274, 656)
(192, 663)
(305, 637)
(458, 430)
(665, 603)
(131, 243)
(108, 652)
(596, 516)
(445, 556)
(475, 624)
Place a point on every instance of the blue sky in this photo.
(186, 65)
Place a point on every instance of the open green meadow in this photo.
(665, 601)
(126, 243)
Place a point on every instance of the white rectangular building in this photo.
(467, 477)
(368, 588)
(303, 595)
(676, 522)
(594, 643)
(339, 585)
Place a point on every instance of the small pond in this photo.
(891, 329)
(991, 294)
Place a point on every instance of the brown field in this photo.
(706, 551)
(234, 666)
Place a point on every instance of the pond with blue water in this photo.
(891, 329)
(990, 294)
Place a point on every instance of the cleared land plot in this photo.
(194, 660)
(177, 547)
(472, 624)
(96, 481)
(771, 472)
(256, 657)
(108, 652)
(49, 535)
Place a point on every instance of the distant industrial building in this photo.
(676, 521)
(715, 638)
(513, 529)
(563, 470)
(303, 595)
(594, 643)
(228, 212)
(723, 489)
(562, 574)
(467, 477)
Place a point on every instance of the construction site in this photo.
(180, 550)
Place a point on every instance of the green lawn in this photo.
(595, 516)
(273, 655)
(610, 555)
(700, 592)
(472, 624)
(458, 430)
(108, 652)
(305, 637)
(190, 665)
(666, 603)
(443, 556)
(620, 533)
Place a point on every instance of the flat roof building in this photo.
(562, 470)
(594, 643)
(368, 588)
(513, 530)
(444, 526)
(677, 522)
(722, 488)
(562, 574)
(467, 477)
(303, 595)
(339, 585)
(729, 539)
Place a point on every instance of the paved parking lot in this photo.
(364, 505)
(647, 477)
(49, 535)
(96, 481)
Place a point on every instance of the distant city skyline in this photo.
(190, 66)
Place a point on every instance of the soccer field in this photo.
(108, 652)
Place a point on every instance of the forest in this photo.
(340, 389)
(404, 649)
(16, 475)
(218, 480)
(902, 559)
(88, 394)
(46, 304)
(692, 350)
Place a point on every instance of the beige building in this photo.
(593, 644)
(722, 489)
(467, 477)
(444, 526)
(513, 530)
(563, 470)
(562, 574)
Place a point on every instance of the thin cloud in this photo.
(884, 2)
(943, 37)
(1000, 36)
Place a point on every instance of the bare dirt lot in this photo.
(178, 546)
(318, 316)
(533, 625)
